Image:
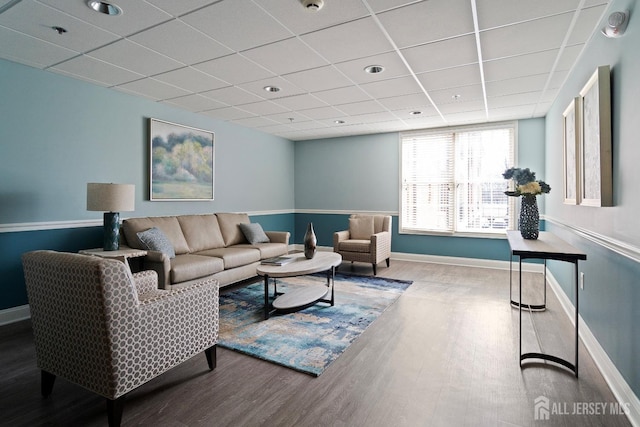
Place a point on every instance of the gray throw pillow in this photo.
(154, 239)
(254, 233)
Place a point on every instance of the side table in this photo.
(547, 246)
(124, 255)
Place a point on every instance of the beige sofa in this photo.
(205, 246)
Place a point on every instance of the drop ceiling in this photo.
(446, 62)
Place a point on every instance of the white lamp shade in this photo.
(111, 197)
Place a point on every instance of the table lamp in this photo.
(111, 199)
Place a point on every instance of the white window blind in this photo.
(452, 180)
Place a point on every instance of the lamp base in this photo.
(111, 228)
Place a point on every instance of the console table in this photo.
(547, 246)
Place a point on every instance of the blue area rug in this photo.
(310, 339)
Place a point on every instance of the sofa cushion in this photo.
(188, 267)
(201, 232)
(361, 228)
(267, 250)
(168, 224)
(355, 246)
(254, 233)
(230, 229)
(234, 257)
(154, 239)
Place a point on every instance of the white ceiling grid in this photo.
(454, 61)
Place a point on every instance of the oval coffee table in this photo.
(303, 297)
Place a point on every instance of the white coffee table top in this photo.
(300, 266)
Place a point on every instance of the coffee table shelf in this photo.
(304, 297)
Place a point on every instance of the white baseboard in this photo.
(14, 314)
(621, 390)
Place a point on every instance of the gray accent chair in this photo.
(368, 239)
(97, 325)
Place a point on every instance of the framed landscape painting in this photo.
(596, 181)
(182, 162)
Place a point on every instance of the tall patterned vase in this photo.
(529, 217)
(310, 242)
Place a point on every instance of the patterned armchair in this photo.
(98, 326)
(368, 239)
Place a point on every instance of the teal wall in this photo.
(58, 133)
(609, 301)
(338, 176)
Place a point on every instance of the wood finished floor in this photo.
(445, 354)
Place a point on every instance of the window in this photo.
(452, 180)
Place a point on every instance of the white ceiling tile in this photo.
(532, 36)
(443, 54)
(257, 88)
(29, 50)
(557, 79)
(285, 56)
(457, 95)
(228, 113)
(319, 79)
(392, 87)
(181, 42)
(191, 80)
(92, 69)
(589, 20)
(452, 77)
(290, 118)
(495, 13)
(136, 58)
(391, 61)
(237, 24)
(135, 16)
(410, 113)
(37, 20)
(350, 41)
(511, 113)
(568, 57)
(177, 8)
(363, 107)
(195, 103)
(382, 5)
(152, 89)
(519, 66)
(515, 100)
(263, 108)
(343, 95)
(402, 102)
(428, 21)
(466, 117)
(517, 85)
(301, 102)
(384, 116)
(232, 95)
(234, 69)
(450, 108)
(299, 20)
(322, 113)
(254, 122)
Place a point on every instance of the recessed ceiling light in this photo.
(104, 7)
(271, 88)
(374, 69)
(456, 97)
(415, 113)
(338, 122)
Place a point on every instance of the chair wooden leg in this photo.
(46, 383)
(212, 357)
(114, 411)
(374, 269)
(388, 259)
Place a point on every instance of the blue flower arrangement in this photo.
(525, 183)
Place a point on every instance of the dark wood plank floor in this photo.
(445, 354)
